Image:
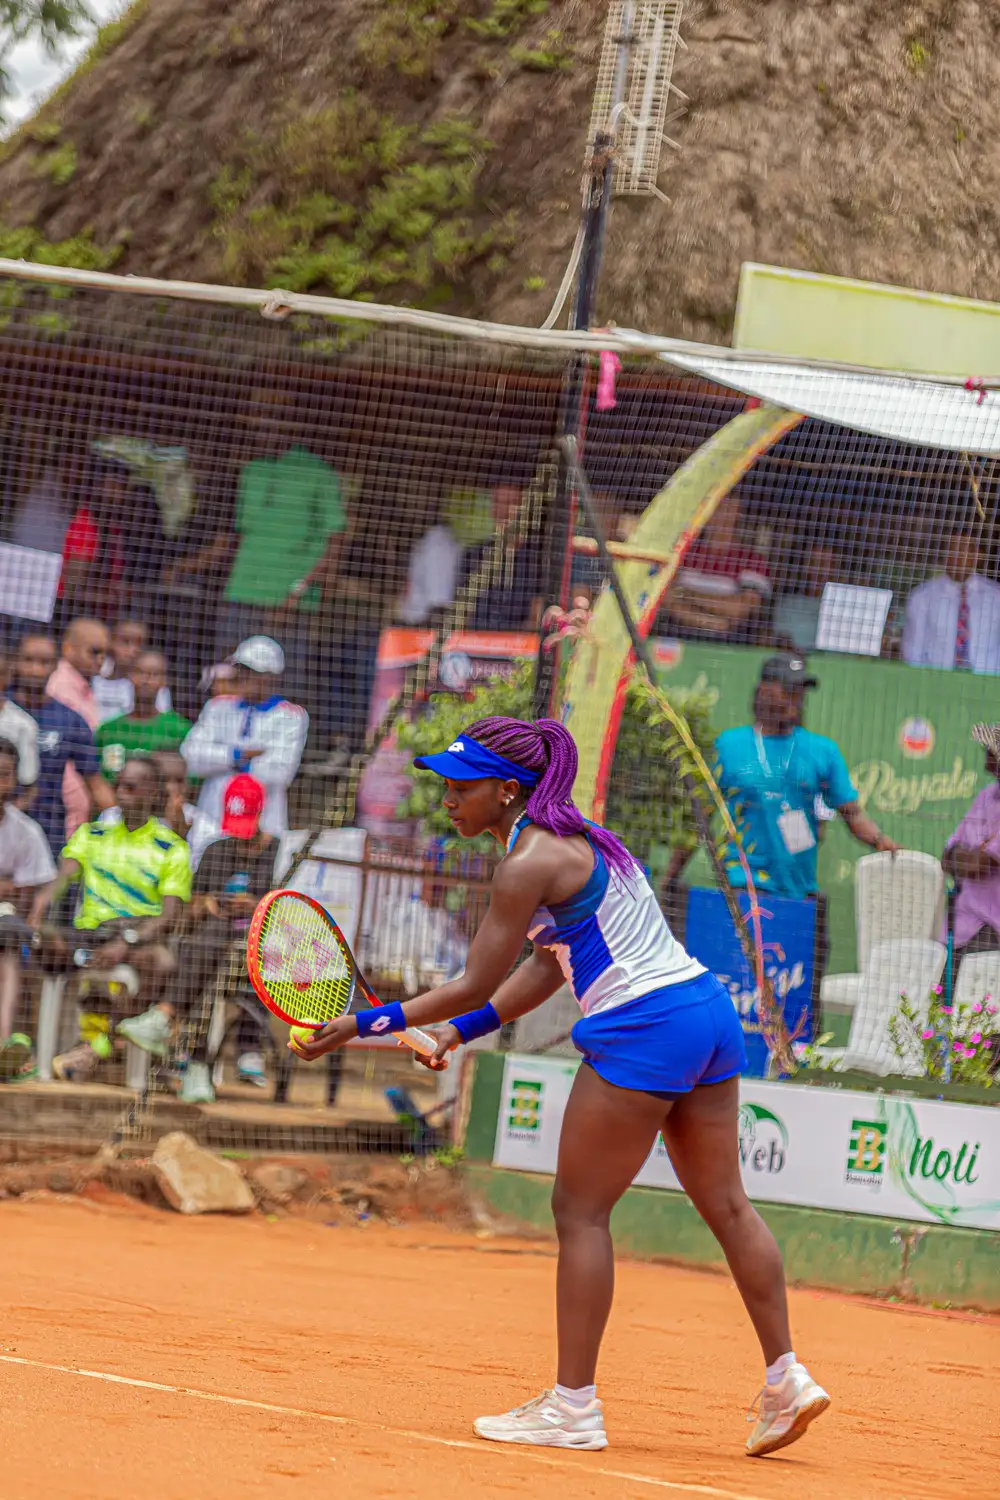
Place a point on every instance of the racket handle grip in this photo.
(420, 1041)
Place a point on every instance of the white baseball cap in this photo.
(260, 654)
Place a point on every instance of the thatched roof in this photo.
(225, 139)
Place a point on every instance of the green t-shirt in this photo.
(118, 738)
(288, 508)
(127, 874)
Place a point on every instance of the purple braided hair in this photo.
(547, 746)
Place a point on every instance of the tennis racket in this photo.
(302, 968)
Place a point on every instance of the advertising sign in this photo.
(904, 731)
(919, 1160)
(788, 933)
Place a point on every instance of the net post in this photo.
(558, 556)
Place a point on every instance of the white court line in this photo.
(512, 1449)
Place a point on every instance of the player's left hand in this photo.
(327, 1039)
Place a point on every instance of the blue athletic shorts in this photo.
(666, 1042)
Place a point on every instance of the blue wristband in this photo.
(477, 1023)
(381, 1019)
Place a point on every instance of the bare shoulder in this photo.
(554, 867)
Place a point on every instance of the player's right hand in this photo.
(448, 1040)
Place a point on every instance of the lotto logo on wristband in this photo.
(382, 1024)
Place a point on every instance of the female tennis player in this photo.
(662, 1050)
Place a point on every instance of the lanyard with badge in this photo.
(793, 825)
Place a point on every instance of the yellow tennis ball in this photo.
(301, 1034)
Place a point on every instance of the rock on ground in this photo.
(196, 1181)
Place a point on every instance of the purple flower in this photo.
(958, 1047)
(992, 1009)
(946, 1010)
(976, 1038)
(926, 1036)
(970, 1052)
(977, 1007)
(938, 988)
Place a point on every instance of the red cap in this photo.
(242, 805)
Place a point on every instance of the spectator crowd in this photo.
(153, 718)
(108, 857)
(740, 584)
(159, 705)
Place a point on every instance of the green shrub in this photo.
(59, 165)
(352, 202)
(552, 55)
(405, 34)
(647, 804)
(506, 18)
(80, 251)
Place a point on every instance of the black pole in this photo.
(560, 524)
(701, 815)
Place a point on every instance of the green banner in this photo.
(905, 734)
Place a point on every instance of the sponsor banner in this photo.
(912, 1159)
(905, 733)
(788, 935)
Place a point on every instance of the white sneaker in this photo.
(548, 1422)
(196, 1084)
(784, 1411)
(151, 1032)
(250, 1069)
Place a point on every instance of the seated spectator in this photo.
(114, 543)
(85, 564)
(134, 876)
(511, 596)
(26, 873)
(84, 647)
(587, 575)
(146, 727)
(65, 742)
(972, 858)
(18, 727)
(435, 562)
(218, 681)
(953, 620)
(796, 616)
(42, 518)
(235, 872)
(113, 686)
(255, 729)
(290, 520)
(180, 811)
(721, 585)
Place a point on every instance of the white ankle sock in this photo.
(776, 1372)
(581, 1397)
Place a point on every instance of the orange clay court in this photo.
(387, 1342)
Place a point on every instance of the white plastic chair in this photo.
(978, 977)
(50, 1017)
(908, 966)
(896, 896)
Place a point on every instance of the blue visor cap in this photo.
(465, 760)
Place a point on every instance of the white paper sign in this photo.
(852, 620)
(911, 1159)
(28, 582)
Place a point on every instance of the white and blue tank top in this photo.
(612, 940)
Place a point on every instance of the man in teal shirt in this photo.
(776, 777)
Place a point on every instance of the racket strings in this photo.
(302, 965)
